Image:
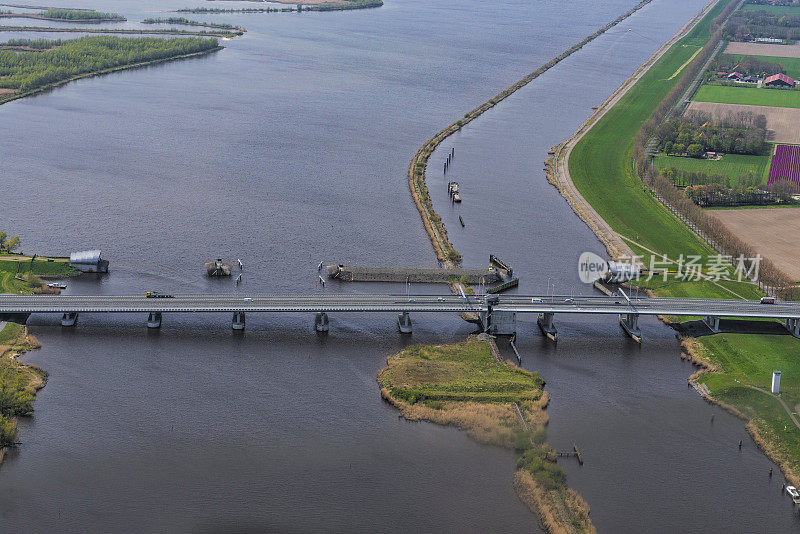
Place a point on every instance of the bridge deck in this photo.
(396, 303)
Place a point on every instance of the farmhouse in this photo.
(735, 76)
(779, 80)
(770, 40)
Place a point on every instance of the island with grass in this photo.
(68, 15)
(182, 21)
(29, 72)
(469, 385)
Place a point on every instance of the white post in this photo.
(776, 382)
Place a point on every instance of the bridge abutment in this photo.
(69, 318)
(630, 324)
(712, 322)
(238, 321)
(404, 323)
(545, 321)
(321, 322)
(154, 320)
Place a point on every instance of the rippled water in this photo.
(290, 147)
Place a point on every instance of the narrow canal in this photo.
(288, 148)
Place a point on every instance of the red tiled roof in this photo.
(782, 77)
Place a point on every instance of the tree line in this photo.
(745, 65)
(762, 23)
(187, 22)
(708, 225)
(33, 70)
(695, 134)
(80, 14)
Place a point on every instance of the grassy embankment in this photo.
(469, 386)
(27, 73)
(18, 383)
(723, 94)
(601, 166)
(732, 165)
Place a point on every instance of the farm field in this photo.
(791, 65)
(770, 232)
(778, 10)
(785, 164)
(782, 123)
(749, 96)
(763, 49)
(733, 165)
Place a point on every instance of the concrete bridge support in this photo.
(69, 318)
(321, 322)
(238, 321)
(630, 323)
(154, 320)
(712, 322)
(545, 321)
(404, 323)
(793, 326)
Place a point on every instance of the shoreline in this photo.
(32, 344)
(106, 71)
(558, 165)
(445, 252)
(154, 31)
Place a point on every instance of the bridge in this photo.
(495, 313)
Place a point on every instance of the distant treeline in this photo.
(79, 14)
(36, 44)
(762, 24)
(186, 22)
(330, 6)
(27, 72)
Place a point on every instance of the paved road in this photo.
(396, 303)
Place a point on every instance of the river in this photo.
(291, 147)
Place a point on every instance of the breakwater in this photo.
(416, 171)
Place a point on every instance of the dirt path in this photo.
(617, 248)
(785, 406)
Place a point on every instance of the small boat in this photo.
(241, 266)
(57, 285)
(456, 197)
(793, 493)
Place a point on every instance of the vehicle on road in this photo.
(767, 300)
(157, 295)
(248, 299)
(440, 299)
(535, 300)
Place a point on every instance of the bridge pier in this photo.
(238, 320)
(630, 323)
(712, 322)
(793, 326)
(321, 322)
(545, 321)
(69, 318)
(404, 323)
(154, 320)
